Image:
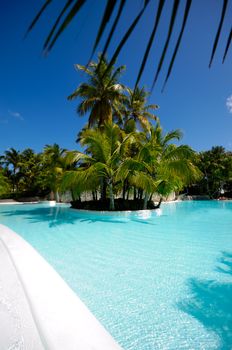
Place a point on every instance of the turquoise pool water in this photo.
(156, 280)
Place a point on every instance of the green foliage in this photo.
(118, 160)
(102, 95)
(216, 165)
(4, 184)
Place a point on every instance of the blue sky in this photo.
(34, 110)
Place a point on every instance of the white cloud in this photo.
(16, 115)
(229, 103)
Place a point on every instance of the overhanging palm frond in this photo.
(127, 34)
(227, 45)
(106, 17)
(171, 24)
(35, 20)
(72, 13)
(109, 14)
(149, 45)
(225, 2)
(186, 13)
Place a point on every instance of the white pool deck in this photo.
(38, 310)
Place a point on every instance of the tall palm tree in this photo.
(53, 159)
(137, 112)
(12, 159)
(102, 95)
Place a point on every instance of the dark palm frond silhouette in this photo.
(113, 12)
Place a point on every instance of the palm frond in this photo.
(127, 35)
(121, 6)
(84, 69)
(35, 20)
(225, 2)
(173, 135)
(72, 13)
(144, 181)
(66, 6)
(148, 48)
(171, 24)
(227, 45)
(186, 13)
(109, 8)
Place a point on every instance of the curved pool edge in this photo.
(61, 318)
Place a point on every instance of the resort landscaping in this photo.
(126, 161)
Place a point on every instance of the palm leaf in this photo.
(144, 181)
(121, 6)
(175, 134)
(186, 13)
(227, 45)
(66, 6)
(171, 24)
(106, 17)
(73, 12)
(35, 20)
(83, 68)
(126, 36)
(225, 2)
(158, 15)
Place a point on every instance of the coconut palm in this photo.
(53, 160)
(137, 112)
(12, 159)
(160, 166)
(105, 149)
(29, 169)
(102, 95)
(4, 183)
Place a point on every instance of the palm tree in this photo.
(105, 149)
(12, 159)
(4, 183)
(102, 95)
(53, 159)
(160, 166)
(137, 111)
(29, 170)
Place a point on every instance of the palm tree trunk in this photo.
(57, 197)
(72, 195)
(160, 201)
(52, 196)
(124, 190)
(145, 200)
(111, 196)
(135, 197)
(103, 189)
(13, 182)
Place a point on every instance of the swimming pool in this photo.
(156, 280)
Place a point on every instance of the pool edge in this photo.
(62, 319)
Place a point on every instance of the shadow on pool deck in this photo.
(211, 303)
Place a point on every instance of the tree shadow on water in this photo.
(56, 216)
(211, 303)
